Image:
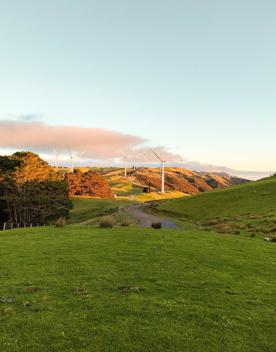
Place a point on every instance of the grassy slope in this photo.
(88, 211)
(202, 291)
(253, 204)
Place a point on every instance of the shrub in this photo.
(224, 228)
(252, 235)
(61, 222)
(156, 225)
(107, 222)
(125, 223)
(213, 222)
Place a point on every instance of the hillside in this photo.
(248, 207)
(176, 180)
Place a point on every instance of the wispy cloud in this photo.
(89, 143)
(29, 117)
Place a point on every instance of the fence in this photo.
(11, 226)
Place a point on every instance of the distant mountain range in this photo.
(190, 165)
(250, 175)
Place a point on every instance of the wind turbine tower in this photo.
(182, 162)
(162, 171)
(125, 159)
(134, 162)
(56, 158)
(71, 159)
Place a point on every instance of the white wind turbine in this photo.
(134, 161)
(125, 165)
(162, 171)
(71, 159)
(56, 158)
(182, 161)
(75, 158)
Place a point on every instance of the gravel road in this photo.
(145, 220)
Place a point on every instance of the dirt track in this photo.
(145, 220)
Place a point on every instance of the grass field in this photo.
(88, 289)
(248, 208)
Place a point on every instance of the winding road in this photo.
(145, 219)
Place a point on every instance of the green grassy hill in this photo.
(250, 207)
(87, 289)
(89, 211)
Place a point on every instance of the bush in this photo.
(224, 228)
(213, 222)
(146, 189)
(125, 223)
(252, 235)
(156, 225)
(107, 222)
(61, 222)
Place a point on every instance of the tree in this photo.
(31, 191)
(88, 184)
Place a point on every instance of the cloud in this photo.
(87, 143)
(29, 117)
(147, 154)
(25, 117)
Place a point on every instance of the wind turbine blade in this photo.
(157, 156)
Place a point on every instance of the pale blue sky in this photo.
(196, 76)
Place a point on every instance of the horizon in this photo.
(62, 161)
(193, 81)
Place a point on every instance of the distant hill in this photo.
(177, 179)
(251, 175)
(198, 167)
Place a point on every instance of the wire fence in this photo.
(12, 226)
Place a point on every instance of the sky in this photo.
(194, 78)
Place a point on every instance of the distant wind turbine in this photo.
(71, 159)
(125, 160)
(56, 158)
(182, 162)
(162, 171)
(134, 161)
(75, 158)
